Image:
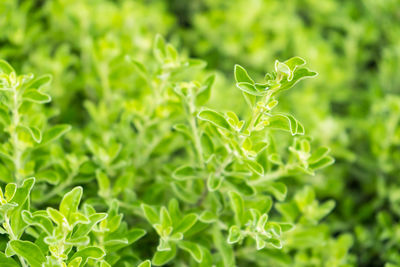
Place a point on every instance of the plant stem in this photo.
(12, 236)
(56, 190)
(17, 153)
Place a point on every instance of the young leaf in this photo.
(146, 263)
(237, 206)
(163, 257)
(90, 252)
(35, 96)
(193, 249)
(205, 91)
(150, 214)
(186, 223)
(55, 132)
(214, 118)
(5, 67)
(70, 202)
(241, 75)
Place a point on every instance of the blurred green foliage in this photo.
(131, 105)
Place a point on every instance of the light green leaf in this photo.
(187, 173)
(5, 67)
(237, 206)
(103, 183)
(40, 82)
(35, 133)
(322, 163)
(278, 189)
(150, 214)
(29, 251)
(163, 257)
(235, 235)
(95, 253)
(57, 216)
(159, 49)
(250, 89)
(70, 202)
(214, 118)
(9, 191)
(146, 263)
(213, 182)
(186, 223)
(35, 96)
(193, 249)
(226, 251)
(7, 262)
(75, 263)
(205, 91)
(241, 75)
(55, 132)
(256, 167)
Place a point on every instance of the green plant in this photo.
(228, 161)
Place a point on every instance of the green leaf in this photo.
(6, 261)
(159, 48)
(240, 185)
(214, 118)
(186, 223)
(250, 89)
(40, 82)
(235, 235)
(237, 206)
(9, 191)
(84, 229)
(103, 183)
(70, 202)
(193, 249)
(150, 214)
(5, 67)
(57, 216)
(95, 253)
(241, 75)
(21, 198)
(135, 234)
(278, 189)
(322, 163)
(146, 263)
(35, 96)
(29, 251)
(318, 154)
(75, 263)
(255, 167)
(50, 176)
(55, 132)
(298, 75)
(38, 220)
(35, 133)
(226, 251)
(213, 182)
(187, 173)
(286, 122)
(165, 218)
(205, 91)
(163, 257)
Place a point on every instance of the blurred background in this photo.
(353, 106)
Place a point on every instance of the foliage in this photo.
(124, 149)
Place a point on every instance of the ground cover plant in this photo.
(199, 133)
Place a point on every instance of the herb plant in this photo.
(124, 149)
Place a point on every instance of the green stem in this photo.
(58, 189)
(17, 152)
(12, 236)
(196, 138)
